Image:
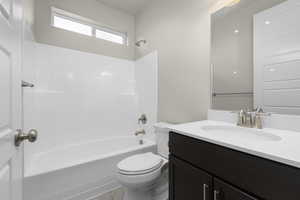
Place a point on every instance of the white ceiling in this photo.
(129, 6)
(245, 4)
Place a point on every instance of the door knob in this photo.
(31, 136)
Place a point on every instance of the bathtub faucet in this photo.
(140, 133)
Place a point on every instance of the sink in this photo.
(241, 133)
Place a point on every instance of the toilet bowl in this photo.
(145, 176)
(140, 175)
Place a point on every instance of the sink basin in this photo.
(241, 133)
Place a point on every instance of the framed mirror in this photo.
(255, 56)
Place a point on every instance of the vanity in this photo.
(255, 53)
(212, 160)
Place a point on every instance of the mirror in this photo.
(255, 55)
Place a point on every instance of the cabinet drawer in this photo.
(261, 177)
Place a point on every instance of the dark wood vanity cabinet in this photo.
(224, 191)
(204, 171)
(189, 182)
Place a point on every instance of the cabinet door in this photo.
(223, 191)
(188, 182)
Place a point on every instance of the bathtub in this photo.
(81, 171)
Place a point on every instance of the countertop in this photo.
(286, 150)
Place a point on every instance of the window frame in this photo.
(56, 12)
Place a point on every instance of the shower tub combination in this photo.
(80, 171)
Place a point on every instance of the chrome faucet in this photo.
(140, 132)
(245, 118)
(241, 118)
(259, 114)
(251, 119)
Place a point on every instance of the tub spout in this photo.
(140, 134)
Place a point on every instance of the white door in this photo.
(277, 58)
(11, 157)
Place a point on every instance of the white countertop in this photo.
(286, 151)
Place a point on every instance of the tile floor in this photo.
(117, 194)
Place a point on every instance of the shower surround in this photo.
(80, 98)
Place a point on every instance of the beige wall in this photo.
(28, 6)
(180, 31)
(91, 9)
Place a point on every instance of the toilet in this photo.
(145, 176)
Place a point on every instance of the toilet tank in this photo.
(162, 138)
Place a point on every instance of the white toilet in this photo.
(145, 176)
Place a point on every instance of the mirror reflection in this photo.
(255, 56)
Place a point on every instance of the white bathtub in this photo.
(81, 171)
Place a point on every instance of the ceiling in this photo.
(260, 5)
(129, 6)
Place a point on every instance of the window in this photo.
(109, 36)
(71, 22)
(70, 25)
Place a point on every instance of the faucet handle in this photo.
(241, 117)
(259, 111)
(142, 119)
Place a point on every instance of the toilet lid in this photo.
(140, 164)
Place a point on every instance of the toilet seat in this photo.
(140, 164)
